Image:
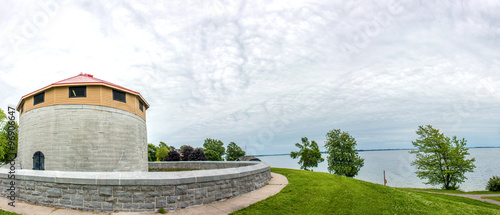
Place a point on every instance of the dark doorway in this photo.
(38, 161)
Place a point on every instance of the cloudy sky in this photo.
(264, 74)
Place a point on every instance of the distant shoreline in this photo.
(371, 150)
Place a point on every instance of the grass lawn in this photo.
(323, 193)
(496, 198)
(2, 212)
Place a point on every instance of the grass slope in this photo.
(323, 193)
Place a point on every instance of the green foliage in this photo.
(309, 154)
(186, 152)
(343, 158)
(162, 153)
(7, 151)
(152, 149)
(161, 210)
(212, 155)
(493, 184)
(440, 159)
(198, 155)
(162, 144)
(234, 152)
(216, 146)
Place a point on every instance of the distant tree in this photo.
(173, 156)
(214, 145)
(152, 152)
(440, 159)
(234, 152)
(197, 155)
(186, 151)
(212, 155)
(172, 148)
(343, 158)
(7, 151)
(162, 153)
(162, 144)
(308, 153)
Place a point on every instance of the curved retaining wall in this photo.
(83, 138)
(135, 191)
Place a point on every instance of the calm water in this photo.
(399, 172)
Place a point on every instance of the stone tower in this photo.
(83, 124)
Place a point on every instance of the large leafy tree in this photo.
(309, 154)
(234, 152)
(343, 158)
(214, 149)
(152, 152)
(162, 153)
(7, 151)
(440, 159)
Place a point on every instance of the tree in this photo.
(440, 159)
(162, 153)
(212, 155)
(152, 152)
(216, 146)
(343, 158)
(186, 151)
(173, 156)
(8, 131)
(308, 152)
(234, 152)
(197, 155)
(162, 144)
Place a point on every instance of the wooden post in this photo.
(385, 181)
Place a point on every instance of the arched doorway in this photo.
(38, 161)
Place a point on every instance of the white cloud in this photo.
(234, 70)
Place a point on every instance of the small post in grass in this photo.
(385, 180)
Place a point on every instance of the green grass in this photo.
(2, 212)
(496, 198)
(450, 191)
(323, 193)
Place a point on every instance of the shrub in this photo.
(186, 152)
(162, 210)
(198, 155)
(493, 184)
(173, 156)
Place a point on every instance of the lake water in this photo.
(399, 172)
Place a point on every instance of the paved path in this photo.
(227, 206)
(475, 196)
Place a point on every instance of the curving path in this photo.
(475, 196)
(274, 186)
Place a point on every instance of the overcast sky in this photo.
(264, 74)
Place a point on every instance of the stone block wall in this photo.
(134, 193)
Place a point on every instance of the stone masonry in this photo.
(147, 192)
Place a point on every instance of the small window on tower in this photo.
(141, 106)
(77, 92)
(22, 108)
(39, 98)
(119, 96)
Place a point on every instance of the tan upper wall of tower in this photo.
(96, 95)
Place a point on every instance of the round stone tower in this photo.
(83, 124)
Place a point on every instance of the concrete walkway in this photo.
(479, 197)
(474, 196)
(227, 206)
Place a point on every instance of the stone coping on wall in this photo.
(142, 178)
